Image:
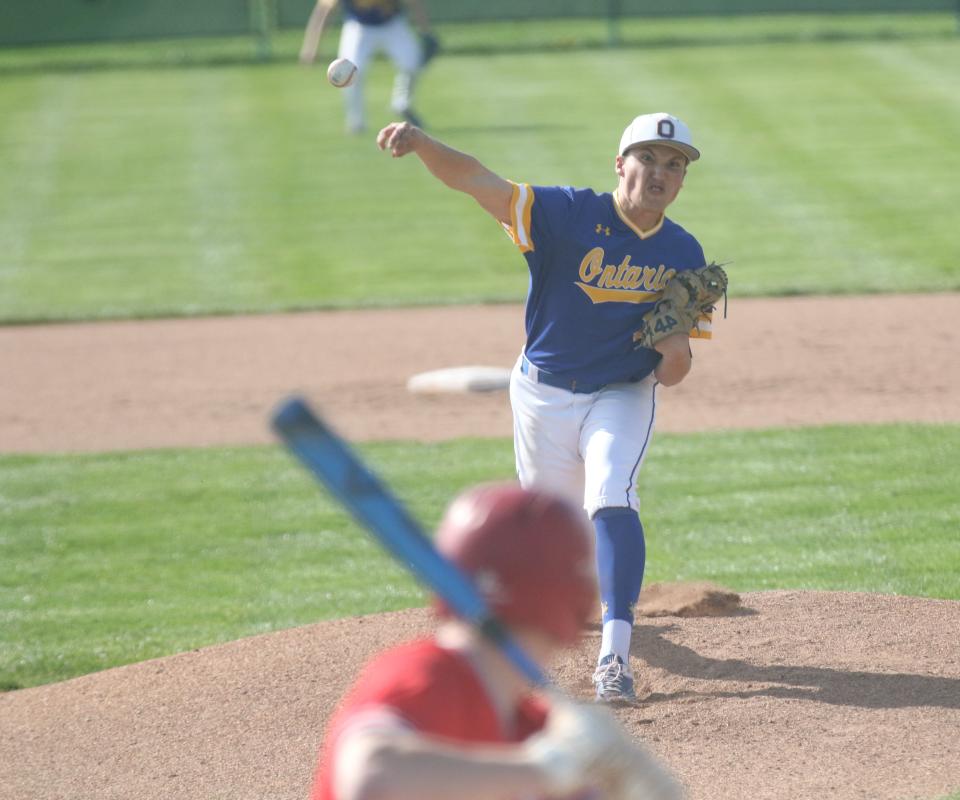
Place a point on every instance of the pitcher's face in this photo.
(651, 176)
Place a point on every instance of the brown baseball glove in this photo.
(688, 295)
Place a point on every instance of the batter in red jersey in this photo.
(448, 716)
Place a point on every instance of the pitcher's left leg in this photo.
(616, 435)
(621, 556)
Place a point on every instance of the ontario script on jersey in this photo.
(623, 282)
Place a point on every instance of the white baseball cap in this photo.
(659, 129)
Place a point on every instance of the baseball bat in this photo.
(333, 463)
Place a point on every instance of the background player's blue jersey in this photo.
(371, 12)
(593, 275)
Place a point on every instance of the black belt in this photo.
(534, 372)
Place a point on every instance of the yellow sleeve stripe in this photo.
(521, 204)
(704, 327)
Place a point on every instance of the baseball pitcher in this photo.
(617, 290)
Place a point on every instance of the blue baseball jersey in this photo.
(593, 275)
(371, 12)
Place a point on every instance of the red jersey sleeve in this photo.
(434, 691)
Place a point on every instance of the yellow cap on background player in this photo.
(659, 129)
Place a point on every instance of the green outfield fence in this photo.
(26, 22)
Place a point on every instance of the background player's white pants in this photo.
(360, 43)
(588, 447)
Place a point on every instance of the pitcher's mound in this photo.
(697, 599)
(809, 696)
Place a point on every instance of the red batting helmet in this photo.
(529, 552)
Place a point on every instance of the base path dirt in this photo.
(795, 696)
(162, 383)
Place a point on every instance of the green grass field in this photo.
(116, 558)
(479, 37)
(229, 186)
(195, 177)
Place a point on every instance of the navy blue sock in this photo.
(621, 556)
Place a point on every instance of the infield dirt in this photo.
(163, 383)
(799, 695)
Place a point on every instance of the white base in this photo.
(460, 379)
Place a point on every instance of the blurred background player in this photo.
(583, 394)
(449, 716)
(371, 26)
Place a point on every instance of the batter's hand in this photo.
(584, 748)
(648, 779)
(399, 138)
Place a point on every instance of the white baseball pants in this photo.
(587, 447)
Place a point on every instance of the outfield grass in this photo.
(116, 558)
(151, 191)
(539, 35)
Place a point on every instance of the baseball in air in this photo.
(341, 72)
